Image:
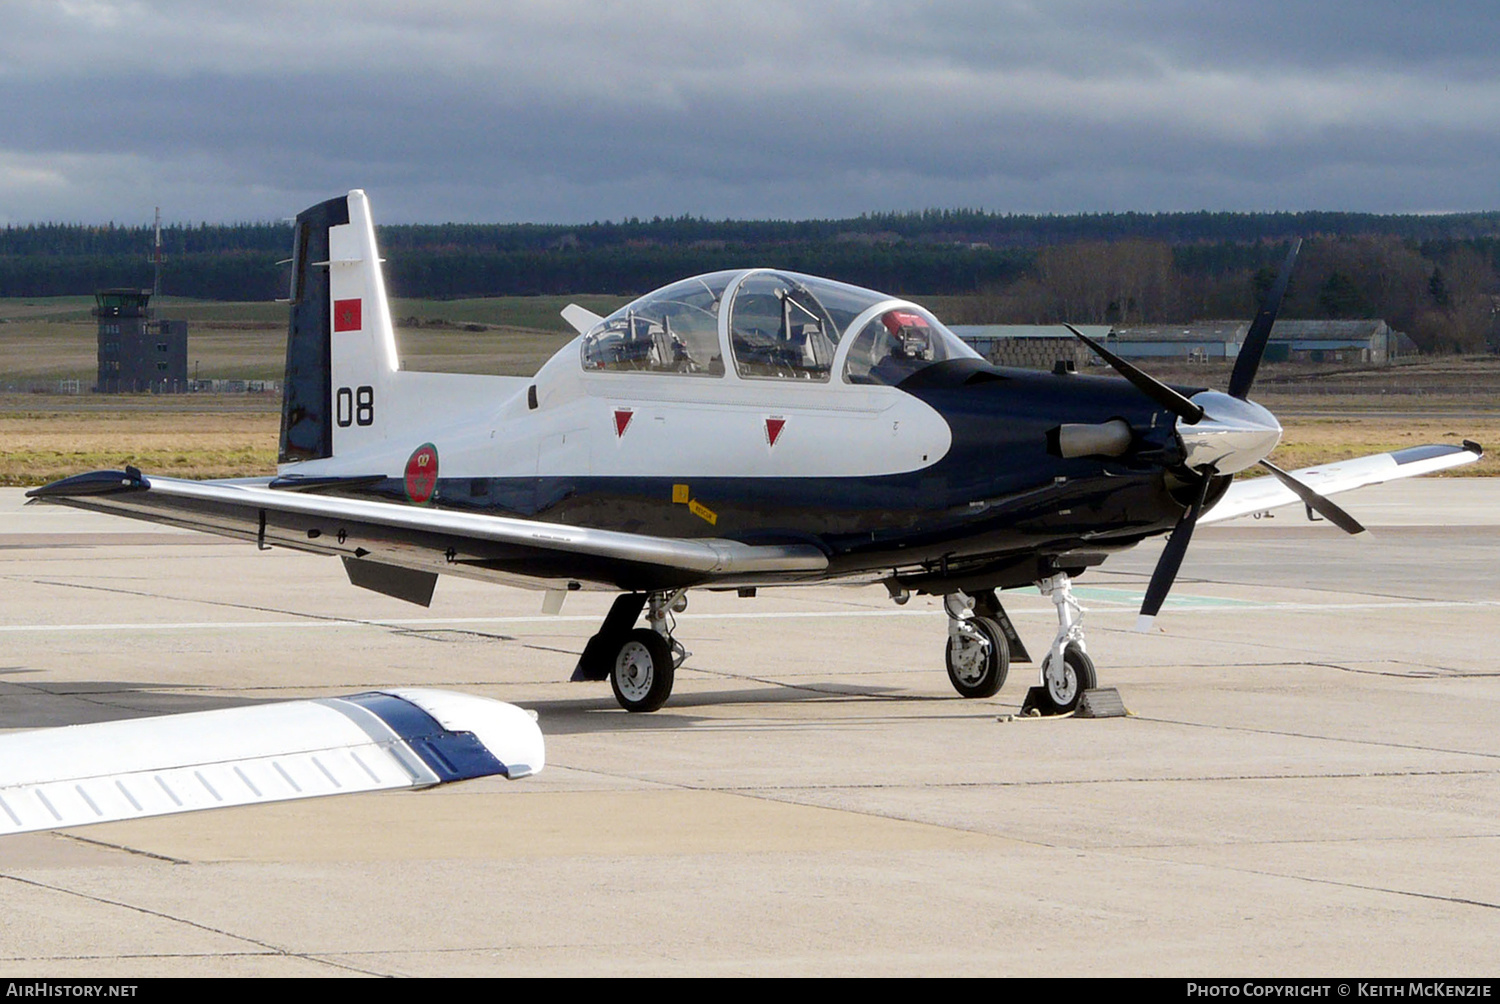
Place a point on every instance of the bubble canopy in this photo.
(776, 326)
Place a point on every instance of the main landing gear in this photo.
(982, 642)
(639, 662)
(978, 653)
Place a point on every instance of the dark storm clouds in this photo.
(565, 111)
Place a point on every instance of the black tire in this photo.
(641, 672)
(1078, 676)
(977, 666)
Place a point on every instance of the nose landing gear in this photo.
(1067, 670)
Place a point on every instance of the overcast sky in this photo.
(564, 111)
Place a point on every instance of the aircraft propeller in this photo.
(1222, 434)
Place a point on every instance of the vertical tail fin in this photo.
(341, 346)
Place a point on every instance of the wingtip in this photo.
(92, 483)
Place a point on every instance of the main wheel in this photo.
(1065, 688)
(641, 676)
(978, 661)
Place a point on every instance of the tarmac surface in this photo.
(1309, 783)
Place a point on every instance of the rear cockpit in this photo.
(673, 330)
(778, 326)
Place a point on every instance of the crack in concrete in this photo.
(1323, 738)
(267, 947)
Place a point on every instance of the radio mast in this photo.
(156, 262)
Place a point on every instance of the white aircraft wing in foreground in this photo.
(109, 771)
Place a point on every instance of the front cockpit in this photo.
(777, 326)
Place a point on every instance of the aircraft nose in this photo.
(1233, 434)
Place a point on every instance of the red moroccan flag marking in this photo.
(622, 420)
(422, 474)
(347, 315)
(773, 429)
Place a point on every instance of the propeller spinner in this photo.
(1221, 434)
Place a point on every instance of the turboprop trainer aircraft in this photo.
(731, 431)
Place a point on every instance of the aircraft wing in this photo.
(109, 771)
(399, 549)
(1259, 494)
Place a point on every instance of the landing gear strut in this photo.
(639, 662)
(1067, 670)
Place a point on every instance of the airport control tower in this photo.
(138, 354)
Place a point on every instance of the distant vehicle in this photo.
(731, 431)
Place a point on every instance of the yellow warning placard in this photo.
(702, 511)
(680, 494)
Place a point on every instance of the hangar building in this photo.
(1039, 346)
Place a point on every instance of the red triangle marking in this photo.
(622, 420)
(773, 429)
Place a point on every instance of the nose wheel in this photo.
(1067, 678)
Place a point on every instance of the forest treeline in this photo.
(1434, 277)
(1444, 294)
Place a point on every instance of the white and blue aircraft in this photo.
(732, 431)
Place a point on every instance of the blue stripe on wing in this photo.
(452, 756)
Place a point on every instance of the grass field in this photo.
(47, 437)
(1328, 412)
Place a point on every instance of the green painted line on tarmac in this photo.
(1133, 597)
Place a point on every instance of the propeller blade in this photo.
(1254, 346)
(1319, 504)
(1147, 384)
(1171, 558)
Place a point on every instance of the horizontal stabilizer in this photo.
(109, 771)
(582, 319)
